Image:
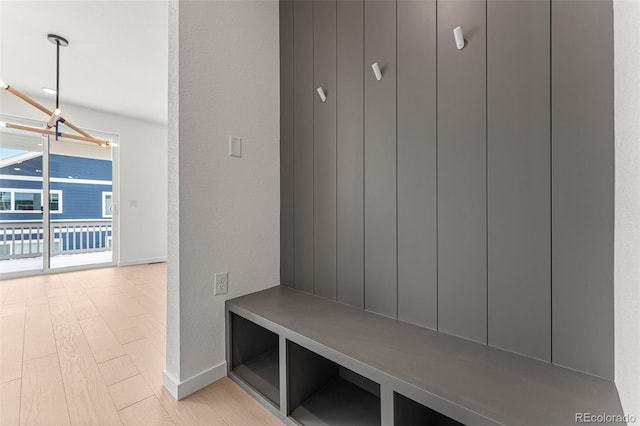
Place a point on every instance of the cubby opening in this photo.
(407, 412)
(254, 357)
(321, 392)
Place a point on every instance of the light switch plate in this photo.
(235, 146)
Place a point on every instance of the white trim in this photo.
(194, 383)
(19, 158)
(57, 180)
(82, 181)
(143, 261)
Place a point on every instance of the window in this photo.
(28, 201)
(5, 201)
(107, 204)
(54, 202)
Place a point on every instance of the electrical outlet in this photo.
(221, 285)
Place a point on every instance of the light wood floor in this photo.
(87, 348)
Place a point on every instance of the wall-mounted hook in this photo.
(376, 71)
(323, 96)
(460, 41)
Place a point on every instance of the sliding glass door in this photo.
(76, 228)
(82, 230)
(22, 239)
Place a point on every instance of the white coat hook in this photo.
(460, 41)
(323, 96)
(376, 71)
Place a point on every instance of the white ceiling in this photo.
(116, 60)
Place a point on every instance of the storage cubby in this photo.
(254, 357)
(321, 392)
(407, 412)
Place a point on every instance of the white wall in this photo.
(627, 210)
(143, 174)
(223, 210)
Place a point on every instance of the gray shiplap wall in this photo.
(417, 163)
(467, 191)
(462, 174)
(519, 177)
(582, 185)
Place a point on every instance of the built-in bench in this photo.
(313, 361)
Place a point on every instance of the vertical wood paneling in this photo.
(462, 239)
(582, 185)
(287, 252)
(324, 147)
(519, 173)
(417, 163)
(303, 92)
(380, 215)
(380, 158)
(350, 152)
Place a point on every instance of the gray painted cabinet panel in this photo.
(462, 239)
(303, 93)
(519, 174)
(417, 163)
(582, 185)
(287, 252)
(380, 158)
(324, 148)
(350, 152)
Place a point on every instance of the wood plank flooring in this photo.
(86, 348)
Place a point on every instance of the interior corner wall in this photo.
(627, 211)
(143, 175)
(227, 210)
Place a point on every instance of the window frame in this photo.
(106, 194)
(13, 192)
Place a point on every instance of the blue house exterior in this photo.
(81, 194)
(81, 182)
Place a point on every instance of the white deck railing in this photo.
(21, 239)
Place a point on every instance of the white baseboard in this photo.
(193, 384)
(142, 261)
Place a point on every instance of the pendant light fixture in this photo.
(59, 42)
(55, 116)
